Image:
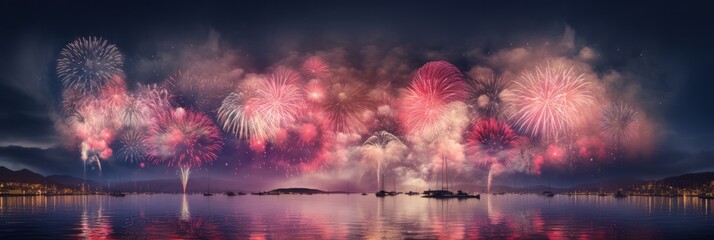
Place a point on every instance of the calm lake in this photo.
(354, 216)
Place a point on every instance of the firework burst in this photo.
(382, 147)
(275, 104)
(87, 63)
(426, 101)
(345, 106)
(484, 95)
(302, 148)
(491, 140)
(315, 67)
(133, 145)
(184, 138)
(620, 122)
(549, 102)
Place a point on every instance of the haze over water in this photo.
(353, 216)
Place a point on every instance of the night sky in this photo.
(658, 52)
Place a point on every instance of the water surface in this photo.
(354, 216)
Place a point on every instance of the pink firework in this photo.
(156, 98)
(185, 138)
(425, 102)
(344, 107)
(549, 102)
(315, 67)
(93, 125)
(489, 139)
(492, 141)
(276, 103)
(303, 148)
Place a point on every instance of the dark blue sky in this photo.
(666, 47)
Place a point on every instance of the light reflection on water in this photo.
(353, 216)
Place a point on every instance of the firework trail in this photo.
(133, 145)
(490, 140)
(137, 113)
(315, 67)
(484, 95)
(276, 103)
(87, 63)
(549, 102)
(381, 147)
(184, 138)
(425, 102)
(94, 120)
(344, 107)
(620, 122)
(156, 98)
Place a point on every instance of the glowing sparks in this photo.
(426, 101)
(184, 138)
(315, 67)
(133, 145)
(484, 95)
(275, 104)
(620, 122)
(550, 101)
(344, 107)
(88, 63)
(381, 147)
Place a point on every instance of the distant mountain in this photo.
(609, 185)
(70, 181)
(690, 180)
(22, 176)
(297, 191)
(27, 176)
(173, 185)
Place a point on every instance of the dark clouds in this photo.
(660, 48)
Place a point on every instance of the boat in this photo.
(257, 194)
(208, 194)
(231, 194)
(620, 194)
(241, 193)
(548, 194)
(460, 194)
(706, 195)
(364, 194)
(381, 192)
(444, 193)
(410, 193)
(117, 194)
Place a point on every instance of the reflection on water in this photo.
(353, 216)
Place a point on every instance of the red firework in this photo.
(344, 107)
(303, 148)
(490, 138)
(315, 67)
(425, 102)
(184, 138)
